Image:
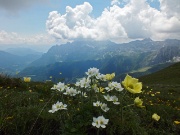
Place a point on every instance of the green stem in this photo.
(150, 124)
(122, 107)
(128, 105)
(98, 131)
(62, 98)
(39, 115)
(27, 85)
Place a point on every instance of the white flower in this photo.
(84, 94)
(104, 107)
(83, 83)
(117, 86)
(60, 87)
(108, 98)
(114, 85)
(110, 87)
(54, 87)
(95, 88)
(92, 72)
(95, 122)
(70, 91)
(100, 122)
(98, 103)
(115, 100)
(101, 77)
(77, 84)
(58, 106)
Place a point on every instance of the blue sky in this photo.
(31, 19)
(43, 23)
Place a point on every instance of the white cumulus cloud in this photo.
(114, 2)
(136, 20)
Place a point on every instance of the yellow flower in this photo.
(27, 79)
(40, 100)
(138, 102)
(177, 122)
(101, 89)
(152, 95)
(155, 117)
(109, 76)
(132, 85)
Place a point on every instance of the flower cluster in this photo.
(114, 85)
(71, 91)
(114, 99)
(104, 89)
(102, 105)
(60, 87)
(93, 72)
(83, 83)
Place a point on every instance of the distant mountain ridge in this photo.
(23, 51)
(91, 50)
(107, 56)
(167, 53)
(10, 62)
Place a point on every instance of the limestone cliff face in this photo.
(166, 54)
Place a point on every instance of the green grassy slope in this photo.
(169, 75)
(24, 108)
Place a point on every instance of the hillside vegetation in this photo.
(25, 105)
(168, 75)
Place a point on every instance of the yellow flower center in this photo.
(101, 122)
(131, 86)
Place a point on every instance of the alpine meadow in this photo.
(88, 67)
